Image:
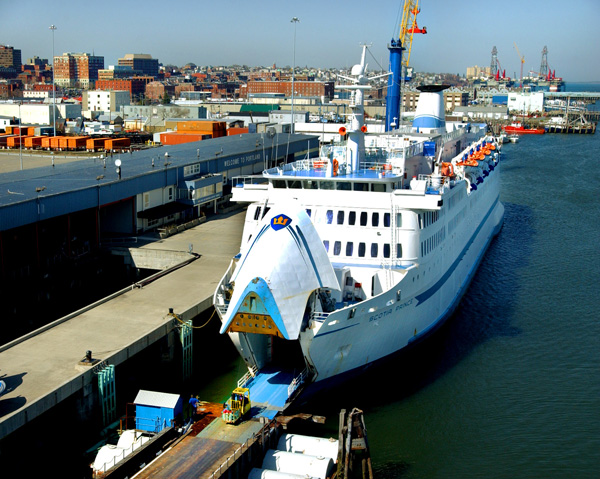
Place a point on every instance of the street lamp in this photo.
(52, 27)
(20, 138)
(294, 21)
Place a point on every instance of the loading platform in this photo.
(43, 368)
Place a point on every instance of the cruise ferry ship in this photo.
(352, 256)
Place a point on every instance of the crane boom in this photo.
(408, 27)
(522, 61)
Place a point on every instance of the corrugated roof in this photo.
(156, 399)
(87, 182)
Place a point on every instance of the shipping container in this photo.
(4, 140)
(95, 144)
(216, 128)
(15, 141)
(117, 144)
(63, 143)
(236, 131)
(177, 138)
(29, 131)
(34, 142)
(77, 142)
(47, 142)
(55, 142)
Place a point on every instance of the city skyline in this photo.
(328, 35)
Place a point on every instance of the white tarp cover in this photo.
(109, 455)
(288, 254)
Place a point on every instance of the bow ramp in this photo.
(278, 270)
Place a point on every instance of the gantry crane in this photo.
(522, 62)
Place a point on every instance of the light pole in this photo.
(52, 27)
(20, 138)
(294, 21)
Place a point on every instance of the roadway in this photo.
(42, 368)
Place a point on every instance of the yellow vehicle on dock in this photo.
(236, 406)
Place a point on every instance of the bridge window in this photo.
(361, 186)
(374, 250)
(398, 250)
(349, 248)
(337, 248)
(326, 244)
(329, 216)
(361, 250)
(386, 250)
(340, 217)
(375, 219)
(308, 212)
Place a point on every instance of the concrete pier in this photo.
(41, 369)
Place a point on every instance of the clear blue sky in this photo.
(460, 34)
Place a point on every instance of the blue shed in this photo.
(155, 411)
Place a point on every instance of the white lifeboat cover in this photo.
(287, 255)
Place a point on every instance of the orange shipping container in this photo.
(77, 142)
(34, 141)
(63, 142)
(117, 143)
(15, 141)
(201, 125)
(177, 138)
(30, 131)
(236, 131)
(55, 142)
(47, 142)
(4, 140)
(95, 144)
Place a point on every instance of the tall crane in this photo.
(408, 27)
(522, 62)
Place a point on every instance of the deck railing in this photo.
(247, 377)
(298, 380)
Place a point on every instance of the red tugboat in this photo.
(519, 129)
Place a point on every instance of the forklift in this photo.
(236, 406)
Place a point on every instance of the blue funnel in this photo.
(392, 108)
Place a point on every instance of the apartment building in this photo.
(77, 70)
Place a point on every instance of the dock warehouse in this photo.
(50, 212)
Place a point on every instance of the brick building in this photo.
(10, 57)
(77, 70)
(136, 86)
(302, 88)
(156, 90)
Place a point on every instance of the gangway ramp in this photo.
(270, 391)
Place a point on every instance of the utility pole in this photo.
(52, 27)
(294, 21)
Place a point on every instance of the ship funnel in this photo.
(430, 116)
